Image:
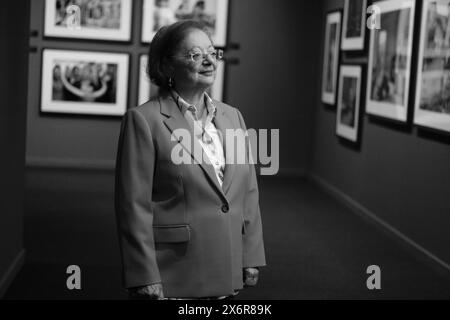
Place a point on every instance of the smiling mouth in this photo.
(208, 72)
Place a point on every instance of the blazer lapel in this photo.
(223, 122)
(176, 121)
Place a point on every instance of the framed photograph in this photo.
(147, 89)
(216, 91)
(83, 82)
(354, 25)
(144, 81)
(89, 19)
(159, 13)
(349, 96)
(331, 57)
(432, 103)
(389, 67)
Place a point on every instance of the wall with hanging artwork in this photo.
(14, 31)
(73, 123)
(398, 172)
(86, 65)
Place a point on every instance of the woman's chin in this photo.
(206, 83)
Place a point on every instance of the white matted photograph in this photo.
(89, 19)
(432, 104)
(389, 68)
(349, 96)
(144, 81)
(83, 82)
(159, 13)
(147, 89)
(354, 25)
(331, 57)
(216, 91)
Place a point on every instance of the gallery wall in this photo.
(268, 79)
(399, 173)
(14, 30)
(73, 140)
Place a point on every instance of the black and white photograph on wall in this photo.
(347, 119)
(432, 104)
(159, 13)
(216, 91)
(354, 25)
(84, 82)
(331, 57)
(390, 53)
(89, 19)
(147, 89)
(144, 81)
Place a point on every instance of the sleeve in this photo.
(253, 244)
(133, 196)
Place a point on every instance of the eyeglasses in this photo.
(198, 56)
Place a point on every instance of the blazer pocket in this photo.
(171, 233)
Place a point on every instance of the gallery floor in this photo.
(316, 247)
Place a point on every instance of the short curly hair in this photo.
(164, 45)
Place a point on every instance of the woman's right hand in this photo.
(149, 292)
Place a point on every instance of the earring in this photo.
(170, 82)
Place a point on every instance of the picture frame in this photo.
(349, 102)
(354, 25)
(147, 89)
(144, 81)
(217, 90)
(157, 13)
(84, 82)
(108, 20)
(432, 101)
(389, 66)
(331, 57)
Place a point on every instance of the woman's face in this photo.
(190, 74)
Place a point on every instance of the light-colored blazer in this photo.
(176, 224)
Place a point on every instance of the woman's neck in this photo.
(195, 98)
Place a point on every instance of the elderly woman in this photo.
(187, 229)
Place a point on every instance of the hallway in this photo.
(316, 248)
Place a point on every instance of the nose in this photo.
(209, 60)
(208, 64)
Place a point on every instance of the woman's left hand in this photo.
(251, 276)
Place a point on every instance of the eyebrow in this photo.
(198, 47)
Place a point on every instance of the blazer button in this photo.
(225, 208)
